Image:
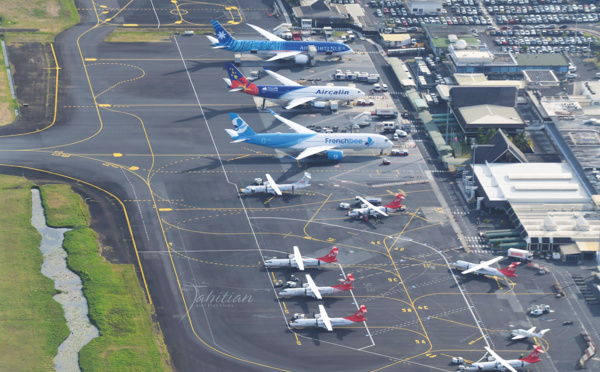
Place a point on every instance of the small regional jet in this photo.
(275, 47)
(290, 91)
(500, 364)
(322, 320)
(484, 268)
(519, 334)
(370, 210)
(307, 141)
(310, 289)
(297, 261)
(271, 187)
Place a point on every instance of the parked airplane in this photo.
(297, 261)
(307, 141)
(290, 90)
(310, 289)
(371, 210)
(519, 334)
(322, 320)
(501, 365)
(275, 47)
(484, 268)
(271, 187)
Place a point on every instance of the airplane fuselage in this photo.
(323, 93)
(291, 262)
(307, 292)
(318, 323)
(361, 212)
(266, 189)
(463, 265)
(496, 366)
(301, 141)
(271, 47)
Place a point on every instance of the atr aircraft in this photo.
(500, 364)
(275, 47)
(310, 289)
(485, 269)
(297, 261)
(271, 187)
(322, 320)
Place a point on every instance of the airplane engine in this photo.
(301, 59)
(335, 155)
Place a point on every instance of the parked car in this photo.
(399, 152)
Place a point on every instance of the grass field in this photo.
(7, 103)
(45, 15)
(33, 324)
(129, 340)
(148, 35)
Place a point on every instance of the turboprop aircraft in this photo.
(500, 364)
(322, 320)
(271, 187)
(310, 289)
(519, 334)
(297, 261)
(306, 141)
(275, 47)
(371, 210)
(291, 91)
(484, 268)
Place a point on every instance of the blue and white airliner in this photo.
(275, 47)
(291, 91)
(306, 141)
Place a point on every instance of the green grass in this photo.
(33, 324)
(148, 35)
(47, 15)
(7, 103)
(129, 340)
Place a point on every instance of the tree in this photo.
(522, 142)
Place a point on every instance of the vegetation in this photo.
(129, 340)
(47, 16)
(147, 35)
(33, 324)
(7, 103)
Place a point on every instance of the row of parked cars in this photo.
(539, 9)
(546, 18)
(521, 2)
(558, 40)
(544, 49)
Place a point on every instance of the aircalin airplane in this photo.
(307, 141)
(275, 47)
(310, 289)
(324, 321)
(271, 187)
(290, 90)
(502, 365)
(485, 269)
(297, 261)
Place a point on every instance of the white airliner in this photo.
(310, 289)
(297, 261)
(371, 210)
(519, 334)
(271, 187)
(306, 141)
(484, 268)
(322, 320)
(502, 365)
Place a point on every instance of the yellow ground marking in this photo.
(117, 154)
(90, 59)
(165, 209)
(129, 24)
(314, 215)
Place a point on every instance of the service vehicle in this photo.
(520, 254)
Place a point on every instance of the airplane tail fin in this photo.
(223, 37)
(510, 270)
(360, 315)
(305, 181)
(241, 130)
(239, 81)
(396, 203)
(534, 356)
(330, 257)
(346, 284)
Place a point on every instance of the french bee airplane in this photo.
(290, 91)
(271, 187)
(275, 47)
(519, 334)
(370, 210)
(307, 141)
(322, 320)
(310, 289)
(484, 268)
(297, 261)
(500, 364)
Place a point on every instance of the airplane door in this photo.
(263, 141)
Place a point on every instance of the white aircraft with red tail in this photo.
(310, 289)
(370, 210)
(484, 268)
(500, 364)
(322, 320)
(297, 261)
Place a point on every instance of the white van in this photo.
(389, 126)
(376, 88)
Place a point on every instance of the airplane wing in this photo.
(298, 258)
(379, 210)
(282, 79)
(531, 330)
(500, 360)
(295, 126)
(518, 337)
(313, 150)
(273, 184)
(266, 33)
(313, 287)
(298, 101)
(282, 55)
(326, 319)
(482, 265)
